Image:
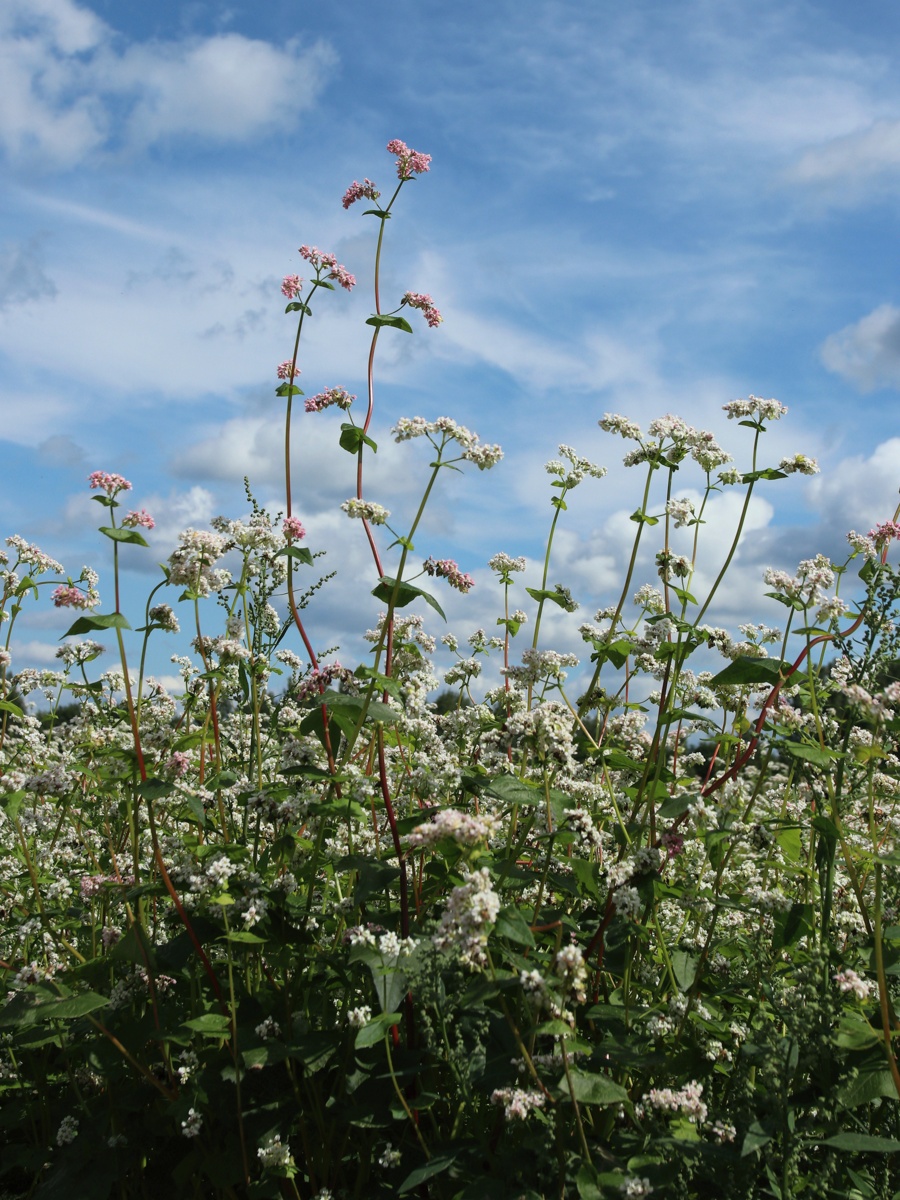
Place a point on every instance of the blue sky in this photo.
(640, 208)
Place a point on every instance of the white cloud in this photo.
(68, 87)
(859, 491)
(856, 158)
(867, 353)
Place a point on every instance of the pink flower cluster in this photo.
(108, 483)
(287, 370)
(409, 162)
(142, 518)
(292, 529)
(427, 306)
(316, 681)
(321, 261)
(446, 568)
(291, 286)
(885, 533)
(73, 597)
(336, 395)
(359, 191)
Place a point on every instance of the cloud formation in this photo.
(70, 86)
(867, 353)
(22, 276)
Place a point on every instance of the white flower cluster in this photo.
(471, 910)
(687, 1102)
(275, 1153)
(366, 510)
(481, 454)
(517, 1103)
(466, 830)
(849, 981)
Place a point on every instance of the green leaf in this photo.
(591, 1088)
(244, 937)
(299, 306)
(288, 389)
(866, 1087)
(434, 1166)
(684, 967)
(642, 518)
(8, 706)
(813, 754)
(123, 535)
(792, 925)
(748, 669)
(405, 594)
(675, 806)
(376, 1029)
(511, 924)
(97, 621)
(299, 552)
(211, 1024)
(547, 594)
(70, 1006)
(862, 1142)
(352, 438)
(393, 322)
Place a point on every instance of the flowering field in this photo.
(302, 932)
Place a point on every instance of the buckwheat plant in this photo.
(619, 923)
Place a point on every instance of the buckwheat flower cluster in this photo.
(317, 680)
(686, 1102)
(73, 597)
(291, 286)
(358, 1017)
(481, 454)
(137, 519)
(191, 564)
(446, 568)
(389, 1157)
(275, 1153)
(67, 1132)
(613, 423)
(882, 535)
(672, 566)
(465, 830)
(540, 664)
(849, 981)
(627, 902)
(634, 1186)
(337, 396)
(111, 484)
(31, 556)
(192, 1124)
(287, 370)
(571, 971)
(321, 262)
(409, 162)
(753, 406)
(503, 564)
(360, 191)
(292, 528)
(366, 510)
(516, 1102)
(426, 305)
(799, 464)
(75, 653)
(471, 910)
(681, 512)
